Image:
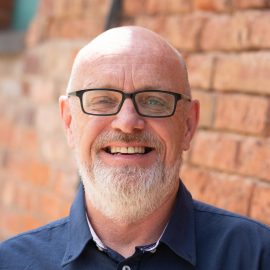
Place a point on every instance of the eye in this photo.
(152, 101)
(102, 100)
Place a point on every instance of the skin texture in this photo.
(130, 59)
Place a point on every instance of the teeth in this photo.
(123, 150)
(127, 150)
(131, 150)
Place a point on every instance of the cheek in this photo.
(86, 132)
(172, 135)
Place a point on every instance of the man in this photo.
(128, 115)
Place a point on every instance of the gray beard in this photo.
(129, 193)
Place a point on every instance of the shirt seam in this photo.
(232, 215)
(47, 227)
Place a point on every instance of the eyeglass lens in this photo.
(153, 103)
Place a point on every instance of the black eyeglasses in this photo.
(148, 103)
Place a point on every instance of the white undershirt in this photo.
(101, 246)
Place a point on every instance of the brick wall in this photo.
(5, 13)
(226, 45)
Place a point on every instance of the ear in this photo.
(192, 121)
(66, 116)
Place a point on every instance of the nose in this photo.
(128, 120)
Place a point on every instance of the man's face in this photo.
(135, 183)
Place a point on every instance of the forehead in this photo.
(127, 58)
(130, 72)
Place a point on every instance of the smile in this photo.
(127, 150)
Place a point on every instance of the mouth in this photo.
(128, 150)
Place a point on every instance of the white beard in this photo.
(129, 193)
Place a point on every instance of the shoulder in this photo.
(18, 252)
(209, 211)
(213, 220)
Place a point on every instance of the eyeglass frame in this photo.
(177, 97)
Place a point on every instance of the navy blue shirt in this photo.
(198, 236)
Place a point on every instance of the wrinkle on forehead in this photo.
(127, 41)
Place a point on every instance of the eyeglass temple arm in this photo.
(183, 96)
(72, 94)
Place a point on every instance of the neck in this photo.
(124, 237)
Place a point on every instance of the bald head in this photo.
(124, 42)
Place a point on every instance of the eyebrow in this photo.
(152, 87)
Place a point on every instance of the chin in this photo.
(130, 193)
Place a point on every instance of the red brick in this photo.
(230, 192)
(77, 27)
(151, 7)
(242, 113)
(28, 170)
(246, 72)
(24, 140)
(59, 8)
(215, 150)
(207, 107)
(180, 31)
(226, 32)
(27, 198)
(76, 8)
(200, 70)
(52, 207)
(254, 158)
(6, 5)
(251, 3)
(213, 5)
(42, 91)
(260, 31)
(36, 172)
(183, 31)
(168, 7)
(19, 197)
(11, 66)
(37, 31)
(16, 222)
(46, 8)
(7, 130)
(58, 61)
(31, 63)
(54, 149)
(65, 183)
(260, 204)
(11, 87)
(156, 23)
(72, 8)
(100, 7)
(133, 8)
(5, 14)
(8, 194)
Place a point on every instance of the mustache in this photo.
(145, 137)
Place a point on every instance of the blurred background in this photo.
(226, 44)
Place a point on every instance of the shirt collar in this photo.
(179, 235)
(96, 239)
(78, 233)
(101, 246)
